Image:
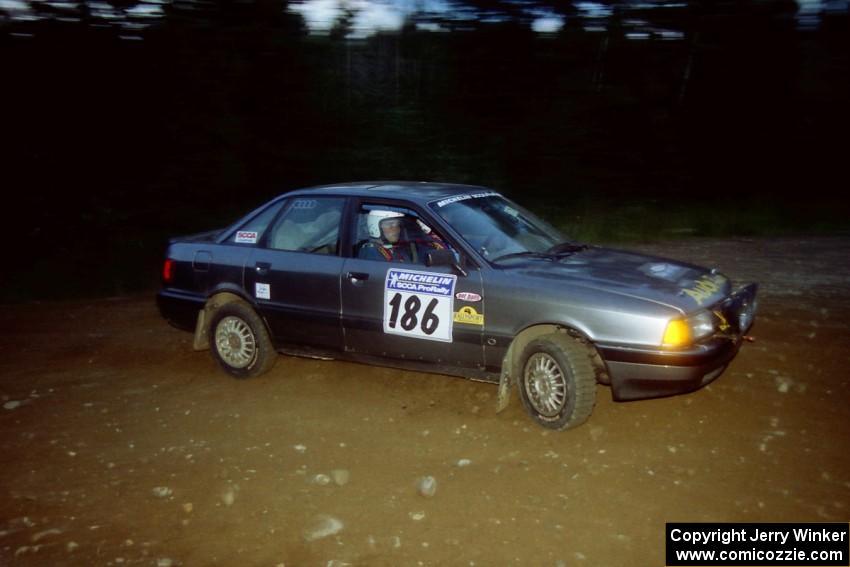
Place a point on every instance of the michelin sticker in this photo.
(458, 198)
(419, 304)
(246, 237)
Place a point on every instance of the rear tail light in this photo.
(168, 270)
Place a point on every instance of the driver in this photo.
(389, 240)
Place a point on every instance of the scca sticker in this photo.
(246, 237)
(469, 316)
(419, 304)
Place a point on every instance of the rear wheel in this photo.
(240, 342)
(557, 383)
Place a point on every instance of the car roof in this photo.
(418, 191)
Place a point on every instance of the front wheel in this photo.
(240, 342)
(558, 383)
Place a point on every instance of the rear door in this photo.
(295, 277)
(406, 310)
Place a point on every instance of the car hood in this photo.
(683, 286)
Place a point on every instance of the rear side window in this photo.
(309, 225)
(251, 232)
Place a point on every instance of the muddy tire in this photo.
(557, 382)
(240, 342)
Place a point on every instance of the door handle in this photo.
(356, 277)
(262, 268)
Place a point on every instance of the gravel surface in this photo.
(122, 446)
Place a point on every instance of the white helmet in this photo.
(373, 221)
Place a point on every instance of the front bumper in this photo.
(638, 374)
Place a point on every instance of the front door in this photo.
(394, 306)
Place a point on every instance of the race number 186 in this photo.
(419, 304)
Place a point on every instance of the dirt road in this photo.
(122, 446)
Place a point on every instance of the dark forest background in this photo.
(118, 133)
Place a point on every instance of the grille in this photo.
(738, 312)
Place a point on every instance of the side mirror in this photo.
(444, 258)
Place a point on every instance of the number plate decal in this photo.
(263, 290)
(419, 304)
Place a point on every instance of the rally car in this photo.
(457, 280)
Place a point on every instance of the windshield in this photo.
(497, 227)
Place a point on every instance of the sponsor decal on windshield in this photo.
(457, 198)
(467, 296)
(419, 304)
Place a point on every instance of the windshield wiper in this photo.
(565, 248)
(525, 253)
(555, 252)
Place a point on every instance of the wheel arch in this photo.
(214, 301)
(513, 356)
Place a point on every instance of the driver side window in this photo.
(309, 225)
(394, 234)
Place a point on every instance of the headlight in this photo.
(682, 332)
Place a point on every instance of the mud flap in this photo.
(505, 384)
(201, 332)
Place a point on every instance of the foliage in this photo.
(118, 136)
